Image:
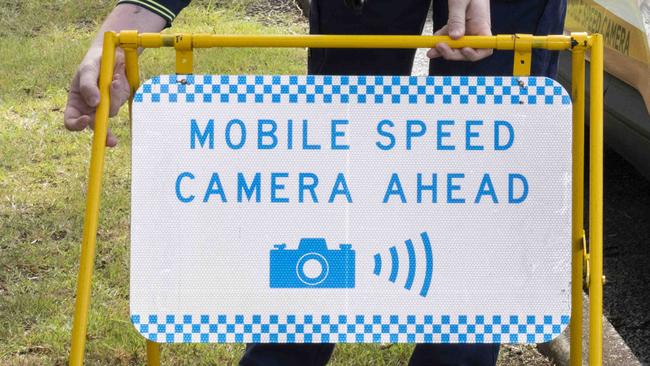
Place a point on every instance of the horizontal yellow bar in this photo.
(199, 40)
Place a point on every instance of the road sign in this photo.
(351, 209)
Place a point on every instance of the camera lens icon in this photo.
(312, 269)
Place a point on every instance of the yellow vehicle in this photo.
(625, 26)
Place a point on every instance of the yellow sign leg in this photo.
(87, 259)
(578, 94)
(153, 353)
(596, 203)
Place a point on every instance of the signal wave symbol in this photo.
(394, 268)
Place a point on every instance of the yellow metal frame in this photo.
(521, 44)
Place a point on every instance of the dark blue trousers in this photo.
(540, 17)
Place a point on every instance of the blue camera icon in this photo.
(312, 265)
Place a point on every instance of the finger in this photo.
(111, 140)
(119, 95)
(88, 75)
(76, 123)
(456, 20)
(115, 95)
(433, 53)
(442, 31)
(120, 89)
(449, 53)
(470, 54)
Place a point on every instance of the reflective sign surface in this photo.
(351, 209)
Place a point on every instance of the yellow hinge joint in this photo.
(580, 41)
(523, 46)
(183, 46)
(128, 39)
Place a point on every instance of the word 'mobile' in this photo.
(351, 209)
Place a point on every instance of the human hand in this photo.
(83, 97)
(471, 17)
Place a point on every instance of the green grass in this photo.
(43, 171)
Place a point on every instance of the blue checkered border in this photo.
(351, 89)
(223, 328)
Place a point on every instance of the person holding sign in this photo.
(453, 17)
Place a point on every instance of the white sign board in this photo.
(351, 209)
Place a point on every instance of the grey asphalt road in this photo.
(627, 253)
